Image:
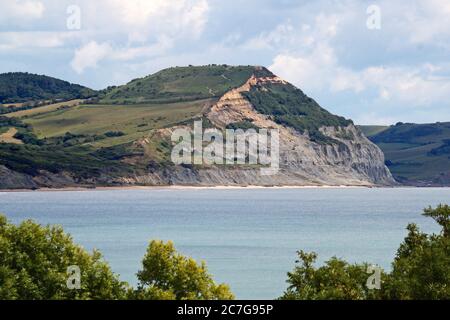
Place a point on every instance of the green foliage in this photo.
(27, 137)
(6, 122)
(441, 215)
(23, 87)
(111, 134)
(169, 275)
(244, 125)
(289, 106)
(34, 262)
(336, 280)
(421, 270)
(70, 139)
(80, 161)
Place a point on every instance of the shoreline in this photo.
(180, 187)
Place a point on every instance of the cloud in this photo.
(160, 47)
(414, 86)
(411, 86)
(34, 39)
(22, 10)
(427, 21)
(89, 55)
(317, 67)
(142, 19)
(150, 27)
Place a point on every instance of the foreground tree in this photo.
(35, 260)
(336, 280)
(168, 275)
(421, 270)
(34, 263)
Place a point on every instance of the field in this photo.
(8, 136)
(44, 109)
(131, 120)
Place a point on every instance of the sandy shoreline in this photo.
(123, 188)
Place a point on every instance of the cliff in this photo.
(315, 146)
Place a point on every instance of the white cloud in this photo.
(89, 55)
(160, 47)
(151, 28)
(143, 19)
(416, 86)
(33, 39)
(316, 67)
(410, 86)
(21, 9)
(427, 20)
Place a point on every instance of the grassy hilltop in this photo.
(20, 87)
(416, 154)
(180, 84)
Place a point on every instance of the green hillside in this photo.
(417, 154)
(180, 84)
(16, 87)
(288, 105)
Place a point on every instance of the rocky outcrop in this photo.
(14, 180)
(352, 160)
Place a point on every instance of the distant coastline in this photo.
(180, 187)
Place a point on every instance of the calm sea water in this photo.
(248, 237)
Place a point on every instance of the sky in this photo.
(376, 62)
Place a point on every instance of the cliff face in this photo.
(350, 159)
(315, 147)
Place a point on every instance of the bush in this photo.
(111, 134)
(169, 275)
(421, 270)
(34, 262)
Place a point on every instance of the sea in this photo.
(248, 237)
